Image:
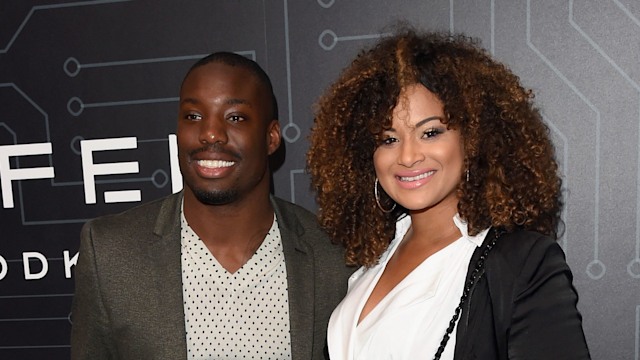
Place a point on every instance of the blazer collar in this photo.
(168, 221)
(300, 280)
(165, 254)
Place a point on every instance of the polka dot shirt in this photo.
(244, 315)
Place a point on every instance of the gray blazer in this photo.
(128, 300)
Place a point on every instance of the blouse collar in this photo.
(403, 224)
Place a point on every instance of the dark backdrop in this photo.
(108, 71)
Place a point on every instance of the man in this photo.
(222, 270)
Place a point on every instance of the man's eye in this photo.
(236, 118)
(193, 117)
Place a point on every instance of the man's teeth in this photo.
(414, 178)
(215, 164)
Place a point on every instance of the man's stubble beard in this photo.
(215, 197)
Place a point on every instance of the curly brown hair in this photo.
(513, 175)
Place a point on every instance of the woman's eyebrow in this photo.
(431, 118)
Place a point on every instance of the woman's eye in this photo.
(388, 141)
(432, 133)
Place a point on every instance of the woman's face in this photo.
(419, 162)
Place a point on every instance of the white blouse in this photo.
(410, 321)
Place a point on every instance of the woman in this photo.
(435, 171)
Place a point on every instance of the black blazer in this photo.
(524, 305)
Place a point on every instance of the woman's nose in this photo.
(410, 154)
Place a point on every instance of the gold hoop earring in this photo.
(377, 196)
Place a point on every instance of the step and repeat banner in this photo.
(88, 105)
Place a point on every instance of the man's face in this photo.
(225, 134)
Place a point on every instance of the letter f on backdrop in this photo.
(8, 175)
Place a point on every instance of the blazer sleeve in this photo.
(545, 322)
(90, 338)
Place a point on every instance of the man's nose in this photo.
(213, 131)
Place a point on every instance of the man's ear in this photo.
(273, 136)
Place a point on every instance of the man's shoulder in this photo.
(309, 237)
(302, 221)
(296, 217)
(290, 209)
(143, 215)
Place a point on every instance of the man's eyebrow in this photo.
(236, 101)
(230, 101)
(189, 101)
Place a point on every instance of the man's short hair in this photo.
(233, 59)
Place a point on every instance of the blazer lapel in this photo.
(165, 257)
(300, 283)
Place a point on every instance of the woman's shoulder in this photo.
(523, 241)
(518, 248)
